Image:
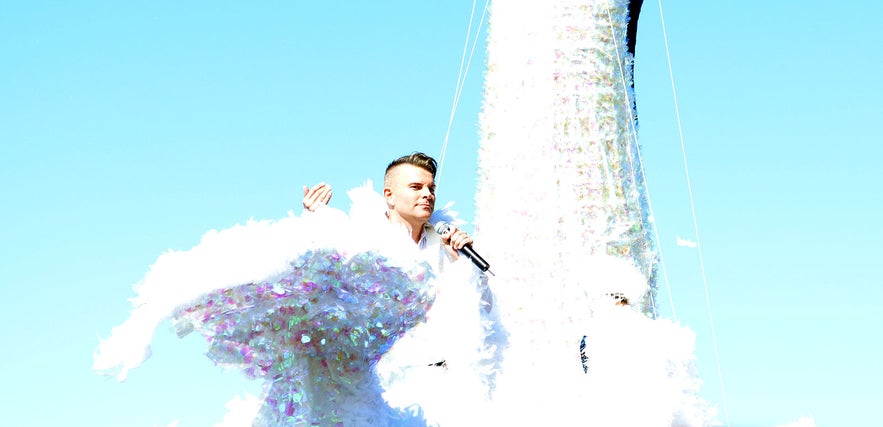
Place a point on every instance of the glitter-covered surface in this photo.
(558, 150)
(326, 321)
(559, 162)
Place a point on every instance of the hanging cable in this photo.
(693, 211)
(461, 80)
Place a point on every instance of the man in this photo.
(409, 190)
(445, 364)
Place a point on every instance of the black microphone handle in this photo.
(442, 227)
(476, 259)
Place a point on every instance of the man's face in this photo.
(410, 194)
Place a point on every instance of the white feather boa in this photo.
(459, 329)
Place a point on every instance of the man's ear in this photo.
(387, 194)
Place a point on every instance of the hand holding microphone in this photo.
(443, 228)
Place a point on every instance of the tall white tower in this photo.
(561, 206)
(559, 175)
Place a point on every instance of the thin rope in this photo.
(695, 223)
(461, 81)
(634, 135)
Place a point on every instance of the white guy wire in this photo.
(693, 211)
(461, 80)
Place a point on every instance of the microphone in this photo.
(442, 227)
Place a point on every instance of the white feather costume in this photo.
(313, 305)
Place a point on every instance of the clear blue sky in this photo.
(131, 128)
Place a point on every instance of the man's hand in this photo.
(455, 239)
(317, 196)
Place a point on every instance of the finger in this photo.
(306, 200)
(320, 194)
(310, 192)
(311, 195)
(455, 240)
(317, 189)
(462, 239)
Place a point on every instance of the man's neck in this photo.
(415, 230)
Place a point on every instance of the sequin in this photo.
(330, 317)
